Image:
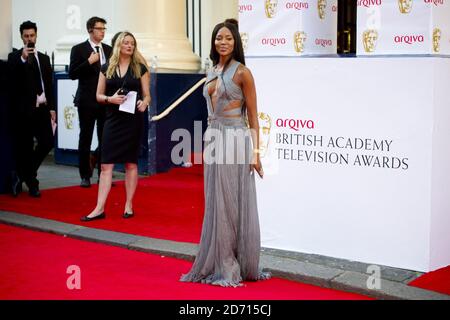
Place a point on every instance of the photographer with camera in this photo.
(124, 89)
(32, 109)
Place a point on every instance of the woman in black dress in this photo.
(122, 132)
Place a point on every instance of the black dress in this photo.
(123, 131)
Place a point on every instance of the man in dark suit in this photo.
(86, 59)
(32, 108)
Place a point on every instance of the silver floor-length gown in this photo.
(230, 240)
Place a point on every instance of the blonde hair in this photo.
(142, 59)
(115, 57)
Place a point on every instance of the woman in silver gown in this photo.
(230, 240)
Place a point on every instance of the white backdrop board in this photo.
(288, 28)
(403, 27)
(356, 169)
(68, 123)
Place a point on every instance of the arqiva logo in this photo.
(295, 124)
(245, 8)
(435, 2)
(273, 41)
(324, 42)
(369, 3)
(297, 5)
(409, 39)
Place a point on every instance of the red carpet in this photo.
(167, 206)
(34, 266)
(438, 281)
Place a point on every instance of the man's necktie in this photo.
(97, 49)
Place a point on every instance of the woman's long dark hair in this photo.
(238, 50)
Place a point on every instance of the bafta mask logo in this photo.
(265, 125)
(69, 117)
(370, 38)
(321, 6)
(405, 6)
(244, 39)
(271, 8)
(436, 40)
(299, 41)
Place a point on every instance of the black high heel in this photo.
(127, 215)
(87, 219)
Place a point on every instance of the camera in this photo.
(30, 45)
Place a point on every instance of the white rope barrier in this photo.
(179, 100)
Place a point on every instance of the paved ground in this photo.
(312, 269)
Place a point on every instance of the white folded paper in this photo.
(130, 103)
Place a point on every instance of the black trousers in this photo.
(88, 116)
(29, 155)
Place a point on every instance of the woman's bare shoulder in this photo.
(243, 73)
(242, 69)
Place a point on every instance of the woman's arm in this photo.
(145, 86)
(102, 98)
(249, 90)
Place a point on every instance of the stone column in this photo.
(71, 21)
(158, 25)
(160, 29)
(214, 12)
(5, 29)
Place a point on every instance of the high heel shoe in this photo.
(127, 215)
(87, 219)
